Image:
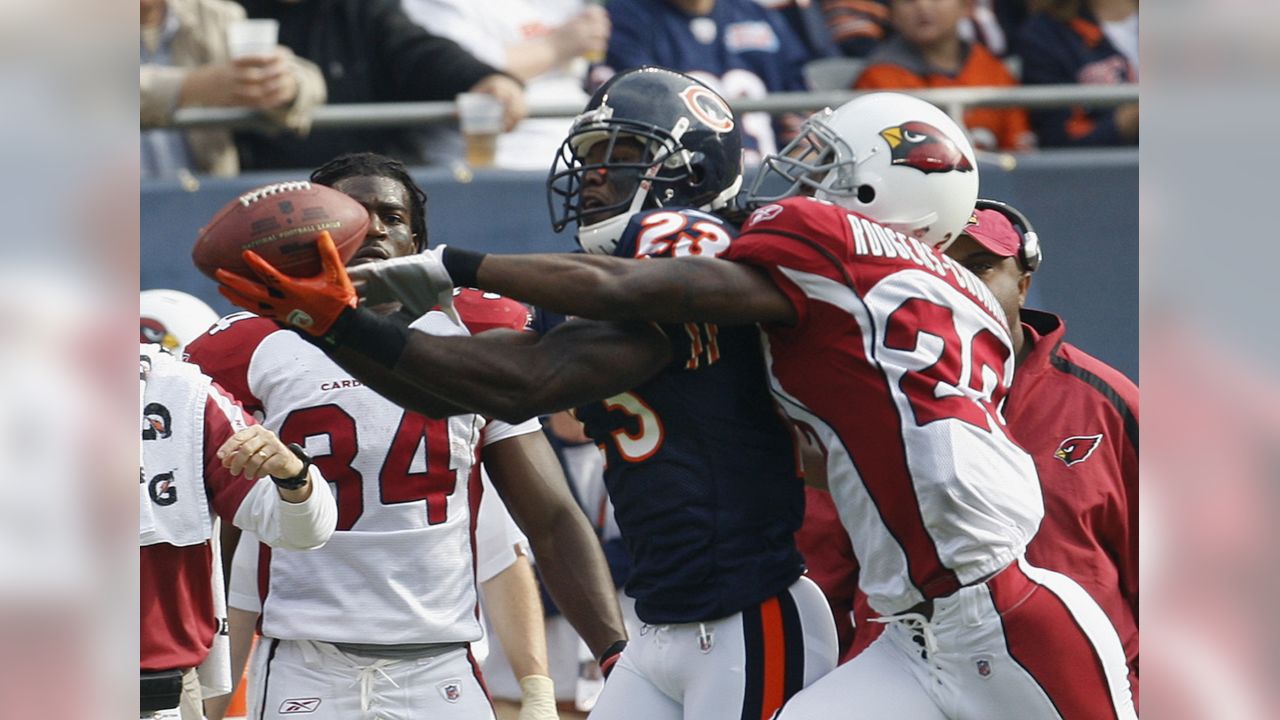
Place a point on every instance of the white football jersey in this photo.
(400, 568)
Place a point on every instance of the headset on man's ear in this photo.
(1029, 252)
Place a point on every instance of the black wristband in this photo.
(612, 650)
(375, 336)
(462, 265)
(299, 480)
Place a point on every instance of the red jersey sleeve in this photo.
(799, 234)
(223, 417)
(482, 311)
(224, 352)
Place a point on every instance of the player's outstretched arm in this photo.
(399, 388)
(528, 476)
(505, 375)
(685, 289)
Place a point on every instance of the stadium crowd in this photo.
(370, 51)
(565, 593)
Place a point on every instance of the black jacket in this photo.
(1072, 52)
(369, 51)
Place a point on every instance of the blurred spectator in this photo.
(1090, 42)
(185, 62)
(993, 23)
(927, 51)
(542, 42)
(808, 23)
(857, 26)
(738, 48)
(369, 51)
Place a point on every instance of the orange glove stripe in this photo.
(263, 269)
(239, 300)
(242, 285)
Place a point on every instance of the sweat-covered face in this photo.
(390, 233)
(1001, 273)
(607, 189)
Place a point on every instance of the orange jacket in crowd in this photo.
(896, 65)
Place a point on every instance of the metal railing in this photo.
(953, 100)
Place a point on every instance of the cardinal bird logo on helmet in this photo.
(153, 331)
(1077, 449)
(925, 148)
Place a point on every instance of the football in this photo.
(281, 222)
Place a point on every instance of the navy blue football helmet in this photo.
(670, 141)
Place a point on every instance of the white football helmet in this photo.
(894, 158)
(172, 318)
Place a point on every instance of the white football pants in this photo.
(315, 680)
(1027, 644)
(742, 666)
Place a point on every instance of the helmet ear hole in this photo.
(866, 194)
(696, 175)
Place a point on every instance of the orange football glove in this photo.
(312, 304)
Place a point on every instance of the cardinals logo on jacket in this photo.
(1077, 449)
(925, 148)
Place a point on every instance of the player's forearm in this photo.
(527, 475)
(517, 376)
(578, 579)
(687, 289)
(509, 383)
(514, 610)
(432, 375)
(399, 388)
(583, 285)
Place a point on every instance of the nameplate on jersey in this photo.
(874, 240)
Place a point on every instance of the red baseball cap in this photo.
(994, 232)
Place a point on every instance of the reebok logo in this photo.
(299, 706)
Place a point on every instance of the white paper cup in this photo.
(252, 37)
(480, 119)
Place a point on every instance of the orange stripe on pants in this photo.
(775, 657)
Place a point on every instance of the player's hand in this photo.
(509, 92)
(312, 304)
(256, 452)
(418, 282)
(586, 33)
(537, 698)
(260, 82)
(1127, 121)
(266, 81)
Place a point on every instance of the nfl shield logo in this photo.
(984, 667)
(451, 690)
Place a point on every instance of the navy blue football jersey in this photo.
(740, 50)
(700, 465)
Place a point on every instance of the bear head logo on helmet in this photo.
(648, 138)
(894, 158)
